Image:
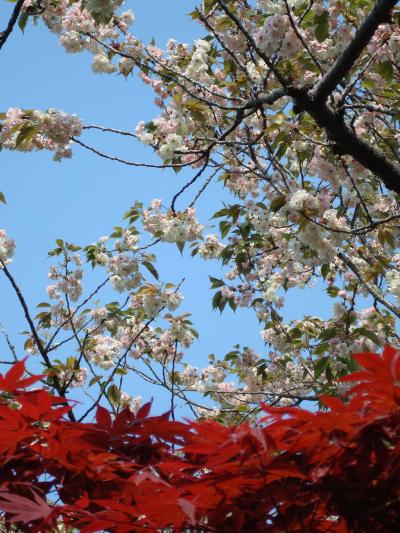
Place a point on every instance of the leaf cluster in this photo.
(295, 470)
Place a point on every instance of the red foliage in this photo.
(297, 471)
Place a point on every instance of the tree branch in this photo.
(129, 163)
(346, 140)
(35, 335)
(4, 35)
(372, 289)
(265, 99)
(381, 13)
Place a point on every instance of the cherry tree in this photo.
(293, 106)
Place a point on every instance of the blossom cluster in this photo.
(84, 25)
(73, 377)
(105, 351)
(152, 299)
(7, 247)
(67, 282)
(211, 247)
(124, 272)
(172, 227)
(37, 130)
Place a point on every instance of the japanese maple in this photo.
(337, 469)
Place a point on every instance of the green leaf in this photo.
(222, 303)
(277, 203)
(322, 348)
(224, 24)
(2, 198)
(113, 394)
(216, 300)
(208, 5)
(215, 282)
(22, 20)
(232, 304)
(231, 356)
(324, 271)
(321, 30)
(73, 247)
(385, 69)
(150, 268)
(295, 333)
(364, 332)
(26, 133)
(224, 227)
(94, 380)
(320, 366)
(195, 15)
(55, 251)
(194, 332)
(328, 334)
(221, 213)
(332, 291)
(368, 84)
(118, 232)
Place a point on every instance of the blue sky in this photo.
(81, 199)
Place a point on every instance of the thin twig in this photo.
(9, 343)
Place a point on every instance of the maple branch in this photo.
(4, 35)
(380, 14)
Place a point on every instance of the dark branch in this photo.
(346, 140)
(265, 99)
(372, 289)
(4, 35)
(34, 332)
(380, 14)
